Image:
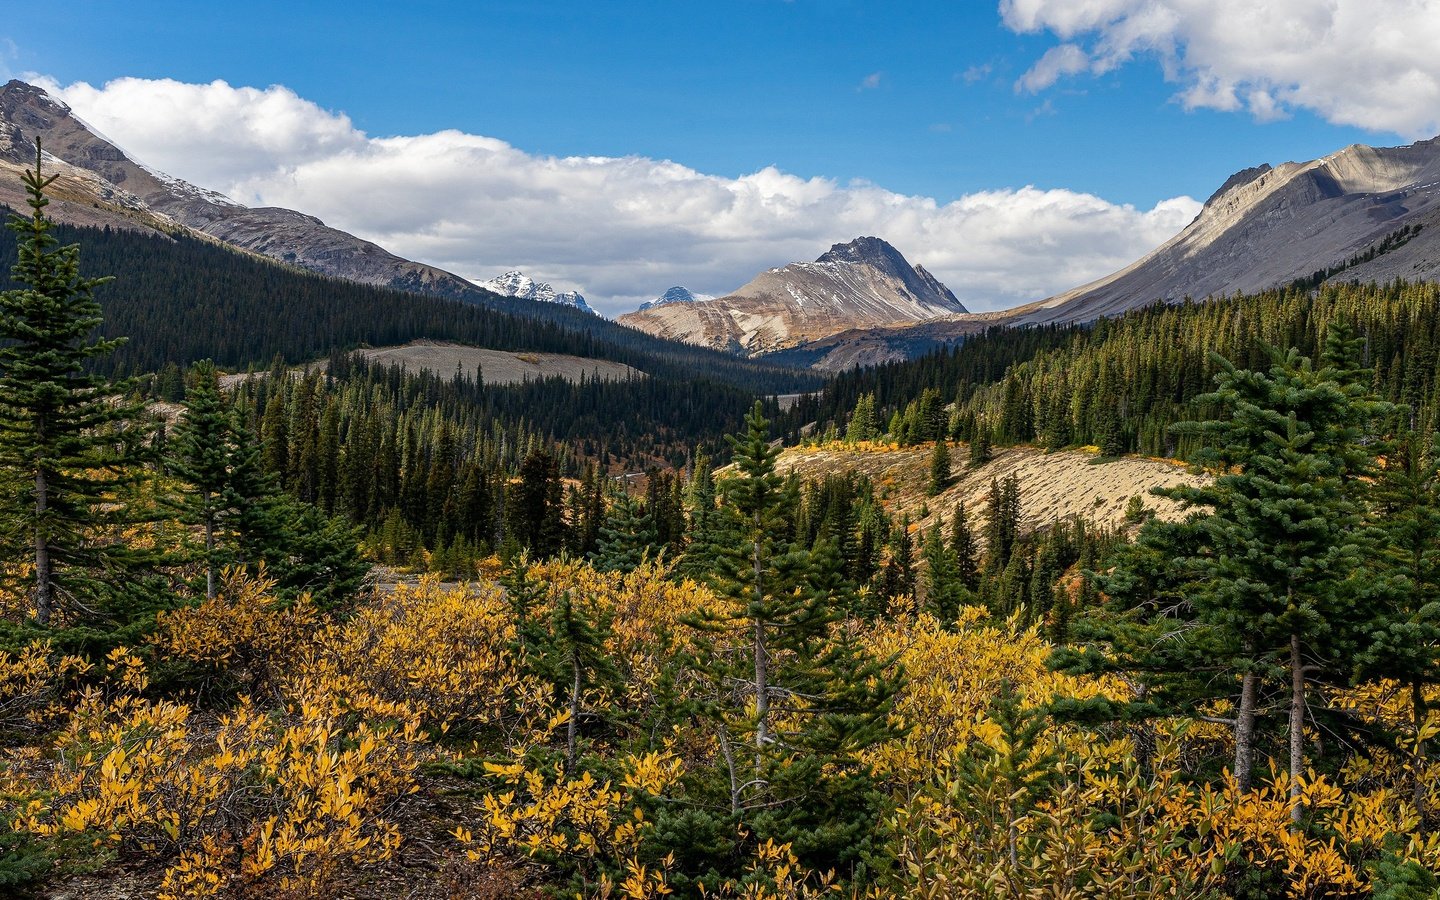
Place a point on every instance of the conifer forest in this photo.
(280, 620)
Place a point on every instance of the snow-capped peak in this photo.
(522, 286)
(676, 294)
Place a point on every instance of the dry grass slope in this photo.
(1053, 486)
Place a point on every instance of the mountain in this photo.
(1352, 215)
(126, 193)
(516, 284)
(676, 294)
(861, 284)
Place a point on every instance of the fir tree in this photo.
(627, 537)
(1283, 536)
(60, 451)
(203, 450)
(939, 468)
(980, 446)
(806, 704)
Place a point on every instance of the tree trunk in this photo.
(1297, 728)
(1245, 732)
(44, 568)
(762, 668)
(210, 587)
(730, 767)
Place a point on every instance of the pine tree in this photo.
(980, 446)
(203, 450)
(1283, 537)
(58, 425)
(939, 468)
(627, 537)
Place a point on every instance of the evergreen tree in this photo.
(939, 468)
(534, 508)
(1283, 537)
(967, 552)
(1002, 529)
(980, 446)
(203, 450)
(809, 703)
(862, 425)
(1403, 581)
(60, 447)
(627, 538)
(944, 591)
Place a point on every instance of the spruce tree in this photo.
(1283, 538)
(60, 453)
(939, 468)
(944, 592)
(627, 537)
(1403, 581)
(980, 446)
(203, 450)
(792, 706)
(967, 552)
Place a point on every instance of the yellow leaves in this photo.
(300, 794)
(653, 773)
(244, 628)
(440, 657)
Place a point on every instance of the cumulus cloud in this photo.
(871, 81)
(1368, 63)
(620, 229)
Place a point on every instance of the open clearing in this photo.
(496, 366)
(1053, 486)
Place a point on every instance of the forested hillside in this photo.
(181, 299)
(1122, 383)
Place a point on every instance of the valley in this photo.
(328, 572)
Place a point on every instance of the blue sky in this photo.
(934, 100)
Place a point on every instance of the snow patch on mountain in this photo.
(676, 294)
(522, 286)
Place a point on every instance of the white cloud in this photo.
(1057, 63)
(1368, 63)
(871, 81)
(622, 230)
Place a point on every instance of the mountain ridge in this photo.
(863, 282)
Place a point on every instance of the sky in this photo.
(1015, 148)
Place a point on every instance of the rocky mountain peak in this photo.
(518, 284)
(870, 250)
(676, 294)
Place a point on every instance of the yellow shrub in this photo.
(32, 683)
(248, 797)
(245, 630)
(445, 656)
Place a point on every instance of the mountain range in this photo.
(1362, 213)
(518, 284)
(865, 282)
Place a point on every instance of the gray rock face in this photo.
(863, 283)
(1269, 226)
(27, 112)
